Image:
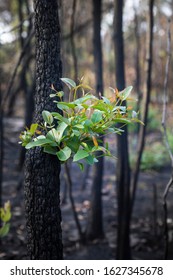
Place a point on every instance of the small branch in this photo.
(69, 182)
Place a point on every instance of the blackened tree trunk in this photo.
(95, 224)
(123, 169)
(42, 202)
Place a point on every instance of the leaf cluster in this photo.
(78, 132)
(5, 216)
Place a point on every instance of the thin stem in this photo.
(69, 182)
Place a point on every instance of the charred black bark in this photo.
(42, 184)
(123, 169)
(95, 224)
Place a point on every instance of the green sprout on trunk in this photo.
(5, 216)
(78, 132)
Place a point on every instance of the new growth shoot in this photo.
(77, 132)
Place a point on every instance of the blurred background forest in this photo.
(151, 226)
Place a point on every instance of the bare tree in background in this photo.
(122, 169)
(147, 92)
(95, 224)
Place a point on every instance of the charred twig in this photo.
(69, 182)
(165, 100)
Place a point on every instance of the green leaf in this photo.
(88, 123)
(47, 116)
(56, 134)
(39, 142)
(50, 150)
(68, 104)
(33, 128)
(84, 99)
(61, 128)
(101, 106)
(80, 155)
(64, 154)
(73, 143)
(52, 95)
(5, 214)
(81, 166)
(79, 126)
(62, 106)
(60, 117)
(90, 159)
(124, 94)
(106, 100)
(4, 230)
(122, 120)
(96, 116)
(70, 83)
(76, 132)
(60, 94)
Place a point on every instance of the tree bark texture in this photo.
(123, 169)
(42, 184)
(95, 224)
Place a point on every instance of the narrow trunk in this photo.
(95, 224)
(142, 132)
(123, 169)
(42, 184)
(73, 45)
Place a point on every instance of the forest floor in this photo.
(147, 232)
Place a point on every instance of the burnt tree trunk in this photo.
(123, 169)
(95, 224)
(42, 183)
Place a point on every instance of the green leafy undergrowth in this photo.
(5, 216)
(78, 132)
(155, 155)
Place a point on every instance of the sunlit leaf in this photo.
(39, 142)
(70, 83)
(33, 128)
(47, 117)
(125, 93)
